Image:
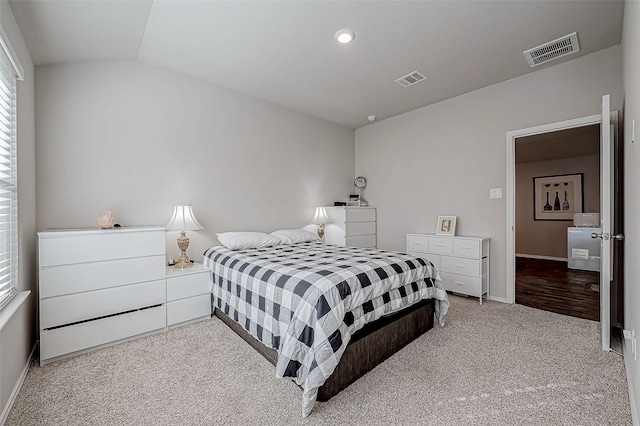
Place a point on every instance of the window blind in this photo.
(8, 182)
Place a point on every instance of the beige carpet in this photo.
(491, 364)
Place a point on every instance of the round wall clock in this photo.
(360, 182)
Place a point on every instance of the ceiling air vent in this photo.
(411, 79)
(555, 49)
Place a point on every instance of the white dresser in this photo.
(351, 226)
(98, 287)
(463, 262)
(188, 294)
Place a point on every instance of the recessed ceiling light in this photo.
(344, 36)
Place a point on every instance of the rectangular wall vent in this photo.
(411, 79)
(555, 49)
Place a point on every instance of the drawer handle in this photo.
(440, 245)
(458, 282)
(466, 248)
(459, 266)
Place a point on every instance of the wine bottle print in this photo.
(556, 202)
(565, 203)
(547, 207)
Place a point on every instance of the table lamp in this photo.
(183, 220)
(320, 218)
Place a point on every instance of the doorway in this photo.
(611, 172)
(510, 187)
(557, 267)
(614, 310)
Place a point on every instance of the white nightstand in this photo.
(188, 295)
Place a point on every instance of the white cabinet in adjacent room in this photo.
(99, 286)
(351, 226)
(463, 262)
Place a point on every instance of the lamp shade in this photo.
(320, 217)
(183, 220)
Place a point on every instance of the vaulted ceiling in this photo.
(284, 52)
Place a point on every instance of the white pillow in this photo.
(245, 240)
(293, 236)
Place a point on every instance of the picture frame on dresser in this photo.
(446, 225)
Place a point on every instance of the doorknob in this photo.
(606, 236)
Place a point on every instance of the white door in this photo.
(606, 222)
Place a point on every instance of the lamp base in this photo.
(183, 262)
(183, 244)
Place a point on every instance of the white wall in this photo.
(443, 159)
(137, 139)
(18, 336)
(631, 81)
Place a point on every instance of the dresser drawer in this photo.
(467, 248)
(359, 228)
(440, 245)
(69, 248)
(65, 340)
(368, 241)
(188, 285)
(417, 243)
(188, 309)
(66, 279)
(358, 214)
(461, 265)
(471, 286)
(61, 310)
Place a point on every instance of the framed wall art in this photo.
(557, 197)
(446, 225)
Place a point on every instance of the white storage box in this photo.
(589, 220)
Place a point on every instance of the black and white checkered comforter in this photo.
(307, 299)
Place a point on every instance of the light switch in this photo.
(495, 193)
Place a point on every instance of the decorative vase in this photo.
(106, 219)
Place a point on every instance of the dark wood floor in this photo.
(551, 286)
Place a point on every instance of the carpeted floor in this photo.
(491, 364)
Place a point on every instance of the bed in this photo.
(301, 305)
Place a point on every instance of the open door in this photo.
(606, 218)
(607, 120)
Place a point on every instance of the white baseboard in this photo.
(16, 388)
(498, 299)
(535, 256)
(635, 416)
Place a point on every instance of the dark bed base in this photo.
(368, 347)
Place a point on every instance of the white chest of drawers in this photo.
(97, 287)
(463, 262)
(351, 226)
